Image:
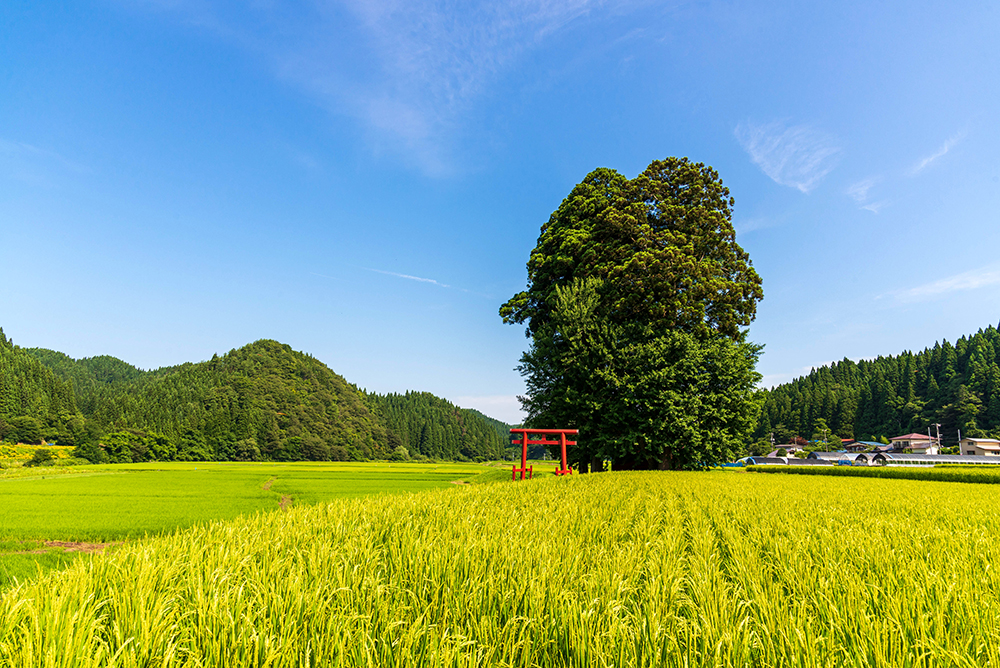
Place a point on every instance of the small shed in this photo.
(834, 457)
(809, 461)
(766, 461)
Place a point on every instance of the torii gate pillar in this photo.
(525, 441)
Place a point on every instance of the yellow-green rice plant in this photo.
(624, 569)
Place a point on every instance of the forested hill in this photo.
(437, 428)
(93, 378)
(262, 401)
(29, 393)
(956, 385)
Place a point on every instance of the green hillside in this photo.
(436, 428)
(34, 402)
(93, 378)
(956, 386)
(263, 401)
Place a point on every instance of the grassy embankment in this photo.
(101, 504)
(628, 569)
(13, 456)
(982, 474)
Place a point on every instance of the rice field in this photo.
(44, 508)
(616, 569)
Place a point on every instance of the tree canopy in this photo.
(637, 301)
(663, 243)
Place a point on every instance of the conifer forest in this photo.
(261, 402)
(956, 386)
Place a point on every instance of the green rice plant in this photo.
(109, 503)
(618, 569)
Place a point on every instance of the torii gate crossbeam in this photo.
(524, 439)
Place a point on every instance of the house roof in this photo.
(911, 437)
(983, 441)
(988, 446)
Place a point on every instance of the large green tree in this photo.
(664, 244)
(637, 302)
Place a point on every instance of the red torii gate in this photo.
(524, 439)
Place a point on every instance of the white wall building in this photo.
(918, 444)
(979, 446)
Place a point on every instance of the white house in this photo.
(980, 446)
(918, 444)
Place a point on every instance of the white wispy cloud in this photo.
(859, 191)
(410, 72)
(408, 277)
(34, 165)
(431, 65)
(947, 146)
(969, 280)
(875, 207)
(798, 156)
(747, 225)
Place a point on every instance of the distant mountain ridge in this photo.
(263, 401)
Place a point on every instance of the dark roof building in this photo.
(765, 461)
(809, 461)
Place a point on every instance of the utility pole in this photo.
(937, 427)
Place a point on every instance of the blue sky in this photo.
(364, 180)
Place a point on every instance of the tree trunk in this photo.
(623, 465)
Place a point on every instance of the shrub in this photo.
(41, 457)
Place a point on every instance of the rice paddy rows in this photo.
(122, 502)
(626, 569)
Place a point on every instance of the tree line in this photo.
(260, 402)
(956, 386)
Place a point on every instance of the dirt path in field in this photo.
(285, 502)
(459, 482)
(70, 546)
(267, 485)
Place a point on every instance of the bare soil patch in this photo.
(71, 546)
(285, 502)
(267, 485)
